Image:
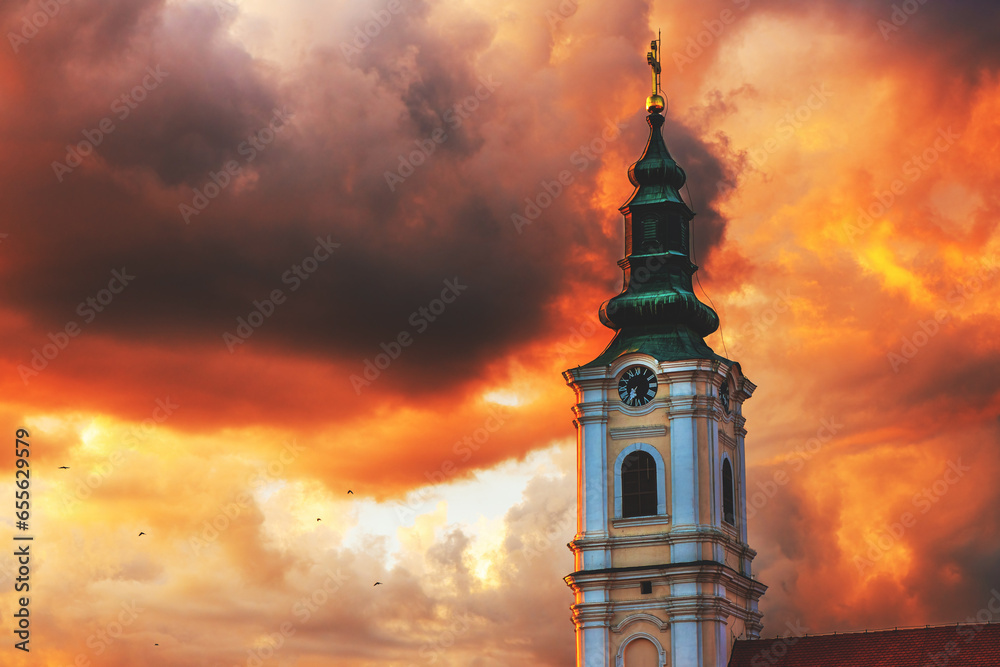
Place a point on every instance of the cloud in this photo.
(844, 183)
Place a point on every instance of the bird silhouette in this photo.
(141, 534)
(318, 519)
(350, 492)
(64, 467)
(377, 583)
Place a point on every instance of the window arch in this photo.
(644, 475)
(641, 653)
(728, 494)
(641, 649)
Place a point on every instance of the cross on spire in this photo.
(655, 103)
(653, 60)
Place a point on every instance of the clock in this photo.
(637, 386)
(724, 395)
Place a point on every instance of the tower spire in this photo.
(657, 311)
(662, 564)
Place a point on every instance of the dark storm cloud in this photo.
(947, 548)
(202, 95)
(323, 176)
(707, 178)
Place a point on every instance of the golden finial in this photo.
(655, 103)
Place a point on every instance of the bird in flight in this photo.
(141, 534)
(377, 583)
(64, 467)
(318, 519)
(350, 492)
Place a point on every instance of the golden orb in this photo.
(656, 104)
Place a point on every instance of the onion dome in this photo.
(657, 311)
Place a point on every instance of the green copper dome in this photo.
(657, 312)
(656, 176)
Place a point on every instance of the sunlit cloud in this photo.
(846, 232)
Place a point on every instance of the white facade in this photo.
(694, 565)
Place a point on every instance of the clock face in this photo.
(724, 395)
(637, 386)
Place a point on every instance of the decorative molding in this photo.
(656, 519)
(626, 360)
(660, 624)
(630, 432)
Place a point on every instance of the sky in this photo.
(258, 254)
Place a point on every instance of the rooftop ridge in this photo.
(878, 630)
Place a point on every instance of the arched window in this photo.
(640, 476)
(728, 497)
(638, 485)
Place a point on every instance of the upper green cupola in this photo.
(657, 311)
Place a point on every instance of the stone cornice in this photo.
(591, 614)
(745, 389)
(584, 373)
(590, 416)
(704, 367)
(696, 572)
(673, 406)
(703, 534)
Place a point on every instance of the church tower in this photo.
(662, 563)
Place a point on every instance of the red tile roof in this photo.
(940, 646)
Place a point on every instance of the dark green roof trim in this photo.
(663, 343)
